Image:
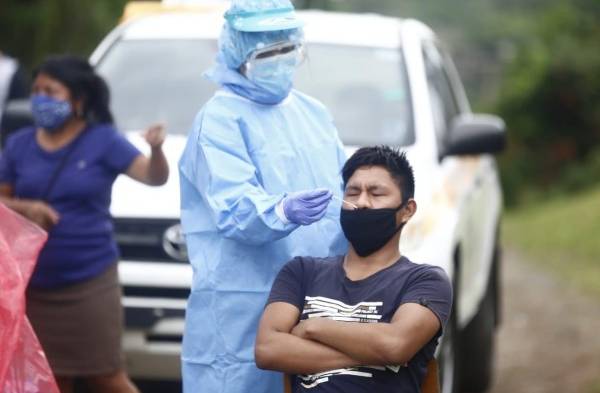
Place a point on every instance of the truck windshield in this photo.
(364, 88)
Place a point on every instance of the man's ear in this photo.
(407, 211)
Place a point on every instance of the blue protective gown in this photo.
(240, 160)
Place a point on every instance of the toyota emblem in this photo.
(174, 243)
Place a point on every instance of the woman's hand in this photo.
(153, 170)
(42, 214)
(155, 135)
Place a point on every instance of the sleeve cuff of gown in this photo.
(280, 213)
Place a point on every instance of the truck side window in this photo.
(443, 101)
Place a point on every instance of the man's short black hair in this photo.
(389, 158)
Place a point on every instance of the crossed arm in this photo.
(320, 344)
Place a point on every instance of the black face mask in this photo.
(369, 229)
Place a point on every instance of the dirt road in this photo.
(549, 341)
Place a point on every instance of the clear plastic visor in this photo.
(278, 51)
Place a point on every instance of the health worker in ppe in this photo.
(258, 178)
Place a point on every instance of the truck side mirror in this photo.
(475, 134)
(17, 114)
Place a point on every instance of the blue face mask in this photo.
(274, 74)
(50, 113)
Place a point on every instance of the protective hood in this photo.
(262, 15)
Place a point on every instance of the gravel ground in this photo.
(549, 341)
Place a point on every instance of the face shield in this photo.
(275, 58)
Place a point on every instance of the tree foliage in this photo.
(551, 100)
(32, 29)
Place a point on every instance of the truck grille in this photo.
(146, 306)
(156, 292)
(150, 240)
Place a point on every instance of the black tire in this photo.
(449, 364)
(497, 281)
(477, 340)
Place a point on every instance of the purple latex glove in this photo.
(306, 207)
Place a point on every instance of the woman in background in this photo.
(59, 174)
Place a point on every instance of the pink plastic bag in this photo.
(23, 365)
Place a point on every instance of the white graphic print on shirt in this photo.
(363, 312)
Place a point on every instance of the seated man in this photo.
(367, 321)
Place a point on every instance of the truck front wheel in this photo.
(477, 340)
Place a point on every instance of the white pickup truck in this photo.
(386, 81)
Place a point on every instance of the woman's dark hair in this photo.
(384, 156)
(83, 82)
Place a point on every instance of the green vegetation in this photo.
(551, 99)
(32, 29)
(562, 235)
(594, 387)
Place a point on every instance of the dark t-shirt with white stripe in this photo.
(319, 288)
